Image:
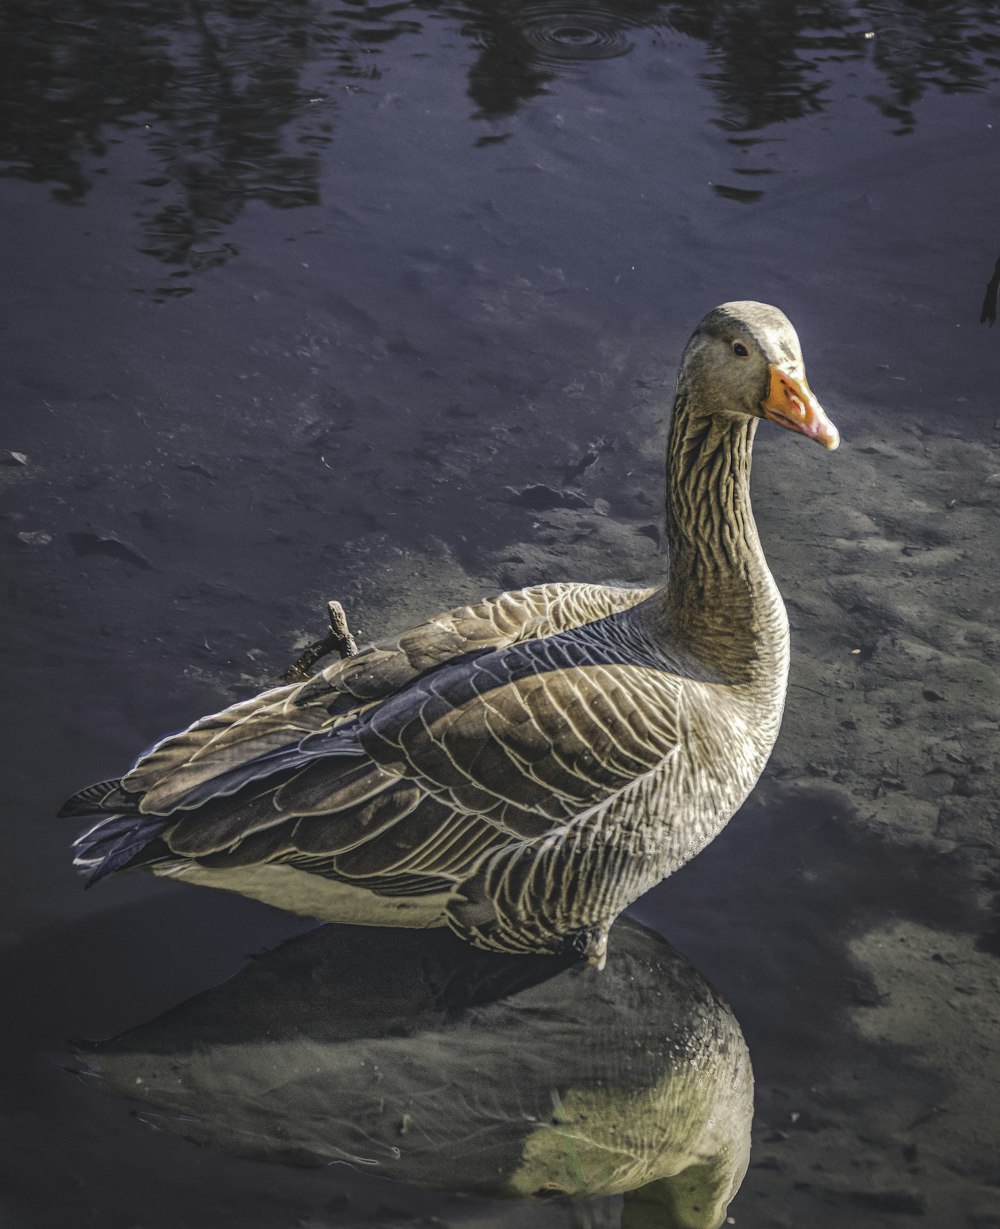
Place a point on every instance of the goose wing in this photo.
(412, 793)
(221, 752)
(489, 723)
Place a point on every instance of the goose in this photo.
(521, 769)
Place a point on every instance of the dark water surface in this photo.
(383, 303)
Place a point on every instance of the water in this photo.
(304, 301)
(411, 1054)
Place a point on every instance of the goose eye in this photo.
(740, 350)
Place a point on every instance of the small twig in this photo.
(338, 638)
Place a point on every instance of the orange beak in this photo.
(790, 403)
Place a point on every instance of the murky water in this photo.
(383, 303)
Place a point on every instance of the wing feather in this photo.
(496, 721)
(336, 832)
(270, 729)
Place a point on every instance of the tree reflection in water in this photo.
(233, 103)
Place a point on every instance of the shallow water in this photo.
(305, 301)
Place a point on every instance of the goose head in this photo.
(744, 361)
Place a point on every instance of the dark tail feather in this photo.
(108, 831)
(104, 796)
(115, 842)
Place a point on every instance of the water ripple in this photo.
(561, 34)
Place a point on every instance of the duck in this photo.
(523, 768)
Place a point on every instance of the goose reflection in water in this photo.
(461, 1070)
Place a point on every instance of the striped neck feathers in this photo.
(720, 601)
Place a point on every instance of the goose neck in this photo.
(720, 602)
(709, 520)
